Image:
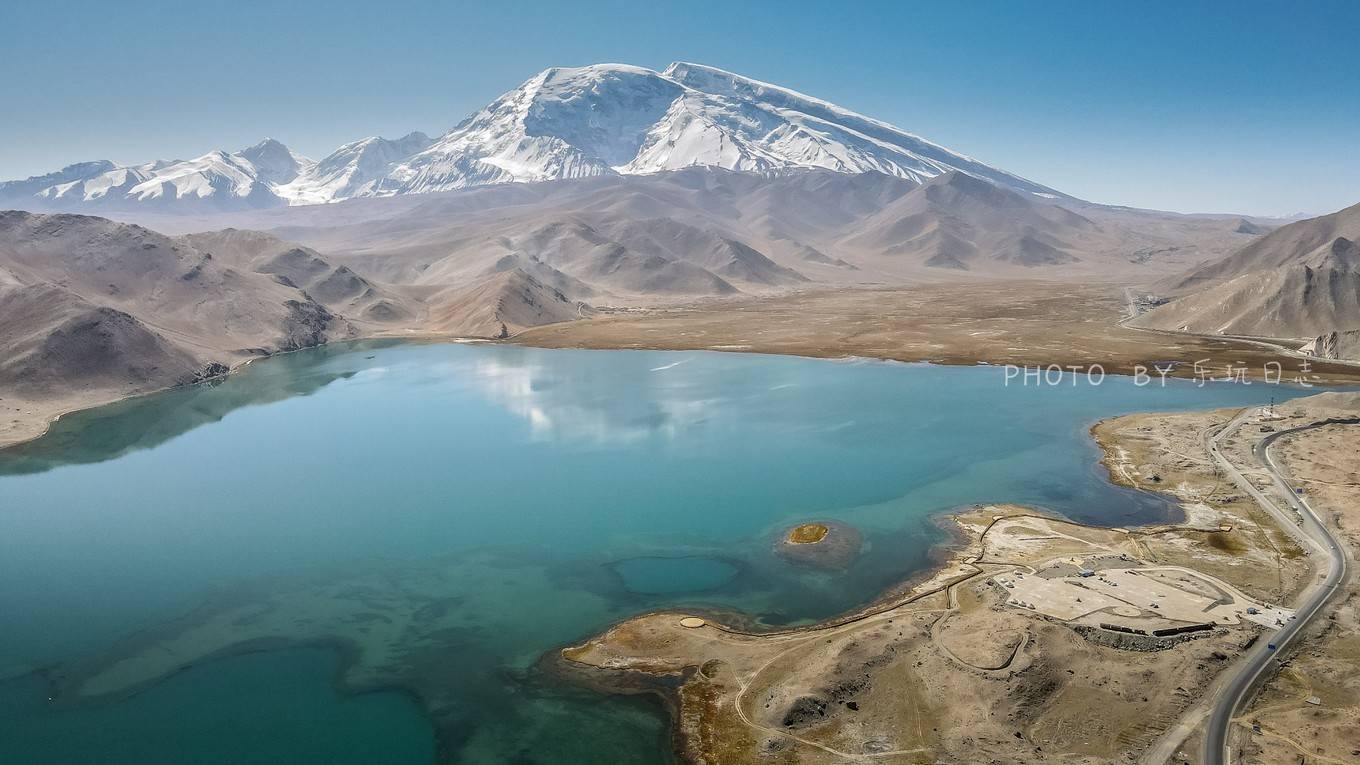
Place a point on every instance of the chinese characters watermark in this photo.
(1055, 375)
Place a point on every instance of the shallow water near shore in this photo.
(508, 500)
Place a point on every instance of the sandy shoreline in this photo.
(648, 653)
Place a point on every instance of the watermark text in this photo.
(1204, 372)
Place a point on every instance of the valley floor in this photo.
(1023, 323)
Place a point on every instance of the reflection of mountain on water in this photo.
(107, 432)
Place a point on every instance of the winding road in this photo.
(1312, 533)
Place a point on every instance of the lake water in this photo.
(555, 491)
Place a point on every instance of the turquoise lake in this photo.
(569, 489)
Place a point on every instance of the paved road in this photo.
(1314, 534)
(1289, 348)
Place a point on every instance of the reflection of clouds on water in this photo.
(585, 406)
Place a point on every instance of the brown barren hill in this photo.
(93, 311)
(1300, 281)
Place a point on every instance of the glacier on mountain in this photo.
(561, 123)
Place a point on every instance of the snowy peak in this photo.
(604, 111)
(275, 163)
(850, 142)
(220, 180)
(216, 181)
(353, 170)
(371, 156)
(710, 79)
(562, 123)
(79, 171)
(616, 118)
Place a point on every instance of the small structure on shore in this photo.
(820, 544)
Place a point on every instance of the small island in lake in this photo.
(820, 544)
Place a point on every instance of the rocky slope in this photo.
(92, 310)
(338, 288)
(1287, 245)
(956, 220)
(711, 232)
(1300, 281)
(1335, 345)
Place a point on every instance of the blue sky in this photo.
(1247, 107)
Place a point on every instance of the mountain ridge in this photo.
(562, 123)
(1301, 280)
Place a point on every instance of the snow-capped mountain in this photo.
(353, 170)
(613, 118)
(562, 123)
(275, 163)
(217, 180)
